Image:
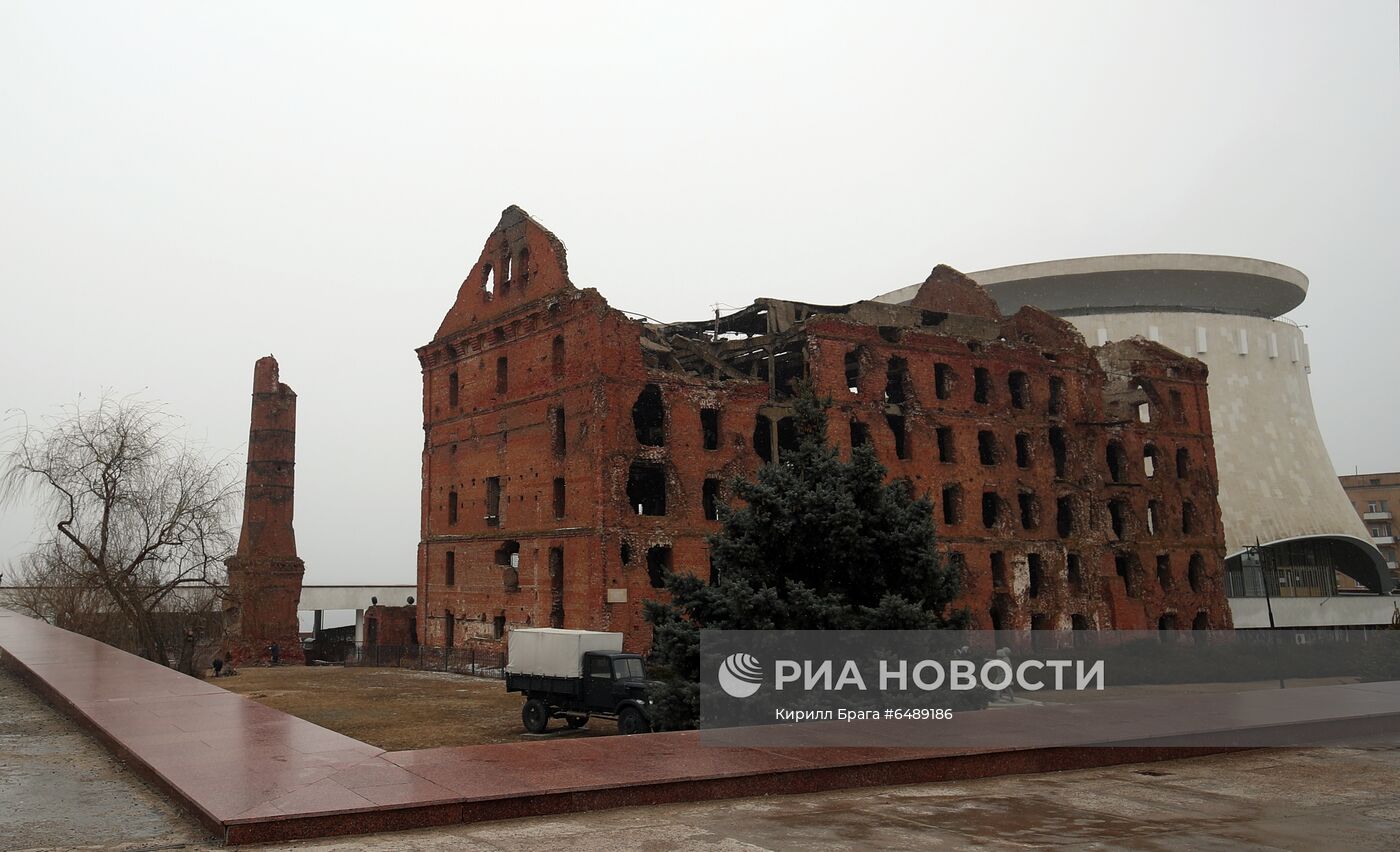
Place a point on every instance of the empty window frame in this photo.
(1074, 573)
(710, 499)
(987, 447)
(991, 509)
(1154, 517)
(556, 357)
(1196, 573)
(1117, 460)
(860, 433)
(1183, 462)
(709, 428)
(1064, 516)
(558, 431)
(952, 505)
(1020, 386)
(502, 375)
(853, 369)
(454, 389)
(896, 377)
(787, 435)
(899, 431)
(1118, 517)
(1150, 461)
(1188, 518)
(1178, 405)
(1164, 571)
(493, 501)
(1056, 405)
(1023, 450)
(556, 587)
(1030, 510)
(981, 385)
(1059, 450)
(452, 504)
(508, 554)
(942, 381)
(1123, 566)
(646, 488)
(1000, 580)
(1035, 574)
(658, 565)
(946, 451)
(560, 496)
(770, 446)
(649, 417)
(450, 569)
(763, 438)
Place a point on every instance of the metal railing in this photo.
(475, 660)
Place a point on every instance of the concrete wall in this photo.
(1359, 611)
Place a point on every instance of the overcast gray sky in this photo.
(187, 187)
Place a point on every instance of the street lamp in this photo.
(1257, 554)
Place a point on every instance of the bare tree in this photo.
(138, 522)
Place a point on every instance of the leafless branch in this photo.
(138, 518)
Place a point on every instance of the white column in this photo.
(359, 626)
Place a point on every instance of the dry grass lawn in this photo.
(398, 709)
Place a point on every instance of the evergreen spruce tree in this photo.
(818, 544)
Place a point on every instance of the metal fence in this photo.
(479, 661)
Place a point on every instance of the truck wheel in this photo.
(535, 715)
(576, 722)
(631, 721)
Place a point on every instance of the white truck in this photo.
(575, 674)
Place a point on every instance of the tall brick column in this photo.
(264, 576)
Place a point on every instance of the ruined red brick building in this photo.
(572, 451)
(264, 575)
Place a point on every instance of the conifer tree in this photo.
(817, 544)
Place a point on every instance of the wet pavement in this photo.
(59, 789)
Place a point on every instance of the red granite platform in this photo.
(253, 774)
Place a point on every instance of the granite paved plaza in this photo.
(251, 774)
(60, 789)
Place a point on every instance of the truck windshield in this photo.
(630, 667)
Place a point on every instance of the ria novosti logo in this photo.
(740, 675)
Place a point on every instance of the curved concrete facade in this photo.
(1277, 482)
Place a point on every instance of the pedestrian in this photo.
(1009, 693)
(218, 665)
(276, 652)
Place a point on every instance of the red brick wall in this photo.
(265, 574)
(511, 434)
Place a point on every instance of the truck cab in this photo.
(613, 681)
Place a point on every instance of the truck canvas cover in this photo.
(552, 652)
